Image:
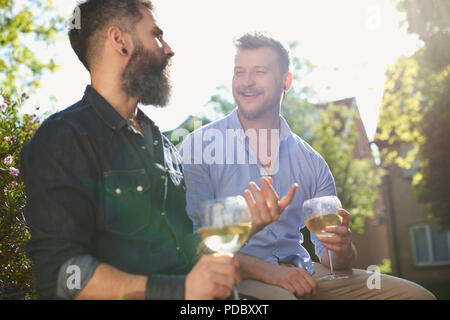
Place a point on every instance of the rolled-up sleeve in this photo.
(60, 179)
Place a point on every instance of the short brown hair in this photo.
(258, 40)
(97, 16)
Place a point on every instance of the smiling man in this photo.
(274, 262)
(105, 189)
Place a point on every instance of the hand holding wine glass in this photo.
(224, 225)
(325, 218)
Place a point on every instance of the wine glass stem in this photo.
(235, 294)
(331, 262)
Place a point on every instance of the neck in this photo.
(110, 88)
(264, 144)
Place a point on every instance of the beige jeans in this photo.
(354, 287)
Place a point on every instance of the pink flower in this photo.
(14, 183)
(6, 138)
(13, 171)
(8, 160)
(13, 139)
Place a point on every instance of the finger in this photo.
(222, 292)
(311, 281)
(331, 240)
(287, 199)
(224, 264)
(307, 289)
(272, 199)
(343, 231)
(345, 216)
(336, 247)
(260, 202)
(251, 203)
(269, 185)
(224, 280)
(217, 258)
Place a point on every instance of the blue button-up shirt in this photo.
(218, 162)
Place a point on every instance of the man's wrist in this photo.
(165, 287)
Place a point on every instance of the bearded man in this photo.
(105, 189)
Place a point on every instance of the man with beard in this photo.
(257, 141)
(105, 189)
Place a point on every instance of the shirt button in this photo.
(178, 248)
(139, 188)
(118, 191)
(163, 177)
(143, 148)
(163, 213)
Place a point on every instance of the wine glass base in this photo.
(333, 277)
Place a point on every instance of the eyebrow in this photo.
(255, 67)
(157, 31)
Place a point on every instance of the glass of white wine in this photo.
(224, 225)
(318, 214)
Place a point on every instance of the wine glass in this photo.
(224, 225)
(319, 213)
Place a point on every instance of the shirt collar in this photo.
(105, 110)
(235, 123)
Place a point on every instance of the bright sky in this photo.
(351, 41)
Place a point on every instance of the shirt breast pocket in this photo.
(127, 201)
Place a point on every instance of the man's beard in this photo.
(146, 77)
(258, 112)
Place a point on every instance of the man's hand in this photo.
(265, 207)
(296, 280)
(213, 277)
(340, 243)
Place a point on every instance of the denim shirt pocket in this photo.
(126, 202)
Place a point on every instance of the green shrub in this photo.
(16, 274)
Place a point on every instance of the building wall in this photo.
(404, 212)
(372, 246)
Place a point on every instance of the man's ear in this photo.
(287, 81)
(119, 41)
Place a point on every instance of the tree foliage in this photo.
(23, 25)
(15, 268)
(357, 180)
(33, 21)
(414, 113)
(431, 21)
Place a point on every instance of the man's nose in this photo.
(167, 49)
(248, 80)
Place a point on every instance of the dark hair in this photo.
(258, 40)
(98, 15)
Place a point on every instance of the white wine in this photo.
(227, 239)
(317, 224)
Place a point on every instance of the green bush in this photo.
(16, 274)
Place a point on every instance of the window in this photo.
(430, 245)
